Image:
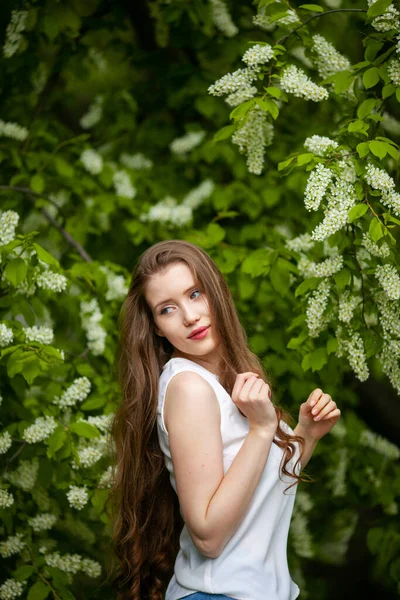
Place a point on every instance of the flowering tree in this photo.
(114, 135)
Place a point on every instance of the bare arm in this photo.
(309, 446)
(212, 504)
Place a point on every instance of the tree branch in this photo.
(67, 236)
(327, 12)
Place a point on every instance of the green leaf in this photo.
(268, 105)
(280, 276)
(63, 168)
(56, 440)
(285, 163)
(315, 360)
(378, 148)
(224, 133)
(388, 90)
(366, 108)
(84, 429)
(375, 229)
(37, 183)
(258, 262)
(357, 211)
(274, 91)
(362, 149)
(312, 7)
(93, 402)
(295, 342)
(45, 256)
(378, 8)
(357, 126)
(332, 345)
(242, 109)
(342, 278)
(398, 94)
(16, 271)
(23, 572)
(303, 159)
(370, 77)
(306, 286)
(39, 591)
(374, 539)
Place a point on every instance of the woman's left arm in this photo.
(317, 416)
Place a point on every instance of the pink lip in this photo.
(198, 334)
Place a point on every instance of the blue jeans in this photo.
(205, 596)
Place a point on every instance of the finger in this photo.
(256, 388)
(332, 415)
(244, 392)
(325, 411)
(322, 402)
(314, 396)
(241, 379)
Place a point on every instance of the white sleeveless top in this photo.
(253, 564)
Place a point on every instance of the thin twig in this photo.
(327, 12)
(67, 236)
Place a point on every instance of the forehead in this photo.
(169, 283)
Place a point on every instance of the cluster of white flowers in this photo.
(117, 284)
(6, 499)
(200, 193)
(97, 58)
(317, 185)
(12, 545)
(242, 95)
(77, 392)
(73, 563)
(77, 496)
(88, 456)
(93, 114)
(380, 180)
(6, 335)
(301, 243)
(328, 60)
(42, 522)
(5, 442)
(13, 32)
(232, 82)
(92, 161)
(389, 315)
(135, 161)
(264, 21)
(302, 540)
(11, 589)
(394, 70)
(222, 19)
(95, 333)
(49, 280)
(43, 335)
(123, 185)
(187, 142)
(41, 429)
(325, 268)
(347, 305)
(338, 473)
(253, 137)
(13, 130)
(389, 279)
(258, 55)
(320, 145)
(295, 81)
(340, 199)
(389, 19)
(316, 305)
(355, 351)
(102, 422)
(380, 444)
(25, 474)
(168, 211)
(107, 477)
(382, 251)
(8, 222)
(389, 358)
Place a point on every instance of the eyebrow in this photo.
(170, 299)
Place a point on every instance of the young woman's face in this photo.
(179, 307)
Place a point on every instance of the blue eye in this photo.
(195, 292)
(162, 311)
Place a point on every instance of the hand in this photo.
(252, 397)
(318, 415)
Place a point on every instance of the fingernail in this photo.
(312, 402)
(314, 411)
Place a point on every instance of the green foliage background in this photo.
(152, 63)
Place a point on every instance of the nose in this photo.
(189, 315)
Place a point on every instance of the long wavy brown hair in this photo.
(145, 519)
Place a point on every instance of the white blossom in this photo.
(70, 563)
(325, 268)
(253, 137)
(380, 444)
(93, 114)
(11, 589)
(389, 19)
(77, 392)
(8, 222)
(301, 243)
(317, 303)
(12, 545)
(394, 70)
(378, 179)
(389, 315)
(102, 422)
(168, 211)
(264, 21)
(232, 82)
(317, 185)
(392, 200)
(302, 541)
(77, 496)
(242, 95)
(25, 475)
(341, 197)
(43, 335)
(200, 193)
(92, 161)
(347, 305)
(258, 55)
(6, 335)
(320, 145)
(107, 477)
(389, 279)
(295, 81)
(98, 59)
(135, 161)
(389, 359)
(42, 522)
(87, 457)
(41, 429)
(13, 131)
(49, 280)
(6, 499)
(5, 442)
(95, 333)
(382, 251)
(222, 19)
(117, 285)
(329, 61)
(338, 473)
(187, 142)
(123, 185)
(92, 568)
(13, 32)
(355, 351)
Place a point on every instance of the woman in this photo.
(203, 455)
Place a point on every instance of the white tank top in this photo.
(253, 564)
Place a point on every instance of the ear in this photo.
(158, 332)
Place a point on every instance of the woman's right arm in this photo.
(212, 505)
